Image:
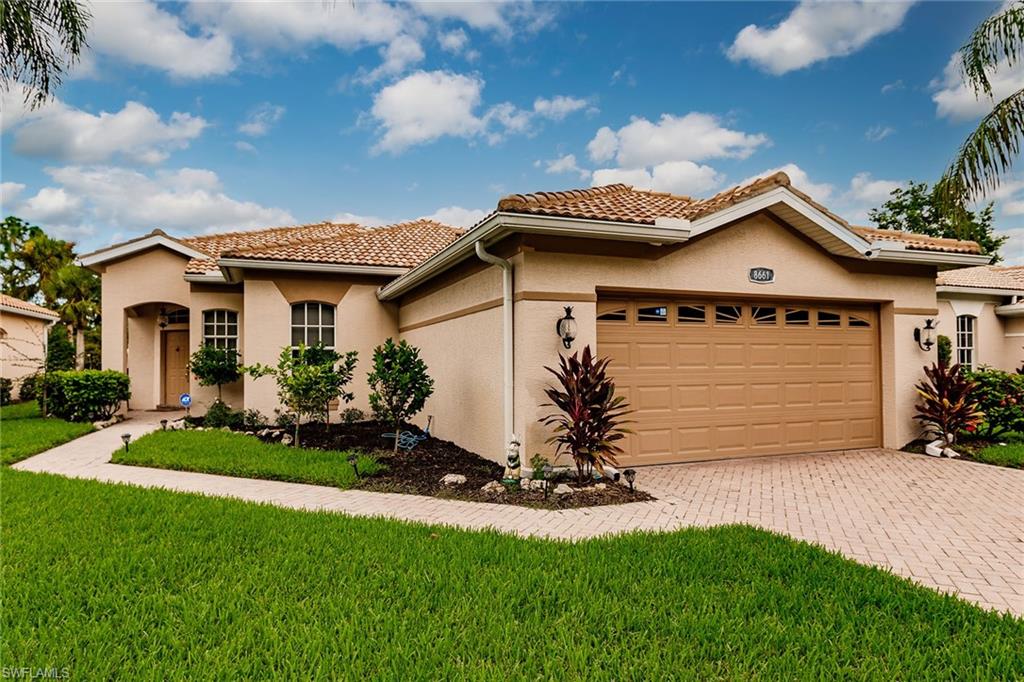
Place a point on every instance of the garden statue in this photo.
(512, 466)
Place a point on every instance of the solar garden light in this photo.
(163, 424)
(125, 437)
(566, 327)
(547, 469)
(353, 460)
(630, 475)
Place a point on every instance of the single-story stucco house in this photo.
(981, 310)
(755, 322)
(24, 328)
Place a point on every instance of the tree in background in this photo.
(41, 40)
(915, 208)
(989, 151)
(60, 352)
(29, 257)
(74, 292)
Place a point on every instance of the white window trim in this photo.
(967, 341)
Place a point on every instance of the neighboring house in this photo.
(981, 310)
(23, 333)
(755, 322)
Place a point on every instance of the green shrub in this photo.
(87, 395)
(399, 383)
(947, 404)
(945, 350)
(28, 390)
(352, 415)
(220, 414)
(5, 391)
(1000, 395)
(60, 351)
(215, 367)
(254, 419)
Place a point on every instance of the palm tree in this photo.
(77, 294)
(41, 40)
(45, 256)
(988, 153)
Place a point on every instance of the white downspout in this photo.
(506, 308)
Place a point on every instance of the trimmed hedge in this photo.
(87, 395)
(29, 388)
(5, 391)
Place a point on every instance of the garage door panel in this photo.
(706, 391)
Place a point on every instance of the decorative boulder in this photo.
(454, 479)
(493, 487)
(563, 489)
(287, 439)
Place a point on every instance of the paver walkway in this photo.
(953, 526)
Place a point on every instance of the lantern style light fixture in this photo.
(161, 319)
(353, 460)
(163, 424)
(630, 475)
(548, 469)
(566, 327)
(924, 337)
(125, 438)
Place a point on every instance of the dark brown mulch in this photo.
(965, 448)
(419, 471)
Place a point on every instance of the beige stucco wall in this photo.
(211, 297)
(22, 347)
(995, 340)
(361, 323)
(464, 356)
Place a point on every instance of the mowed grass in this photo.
(1010, 455)
(113, 581)
(236, 454)
(23, 432)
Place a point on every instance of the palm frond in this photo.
(984, 157)
(998, 38)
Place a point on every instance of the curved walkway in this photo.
(949, 525)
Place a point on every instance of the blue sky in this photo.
(213, 116)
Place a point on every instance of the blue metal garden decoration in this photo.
(407, 440)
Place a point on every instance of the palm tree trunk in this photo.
(80, 349)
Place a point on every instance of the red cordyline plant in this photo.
(589, 424)
(947, 403)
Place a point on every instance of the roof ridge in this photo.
(301, 240)
(539, 199)
(262, 230)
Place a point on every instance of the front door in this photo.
(175, 366)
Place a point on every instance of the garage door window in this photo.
(657, 313)
(798, 317)
(857, 321)
(613, 315)
(692, 314)
(829, 318)
(764, 314)
(728, 314)
(965, 341)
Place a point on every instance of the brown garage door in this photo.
(716, 379)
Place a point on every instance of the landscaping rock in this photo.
(563, 489)
(104, 423)
(454, 479)
(287, 439)
(600, 486)
(492, 487)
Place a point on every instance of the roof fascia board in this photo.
(503, 223)
(207, 277)
(228, 264)
(13, 310)
(123, 250)
(981, 291)
(940, 258)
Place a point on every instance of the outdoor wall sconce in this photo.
(161, 319)
(566, 327)
(630, 475)
(125, 437)
(924, 336)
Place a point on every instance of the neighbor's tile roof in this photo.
(985, 277)
(18, 304)
(623, 203)
(400, 245)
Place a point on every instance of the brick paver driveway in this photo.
(950, 525)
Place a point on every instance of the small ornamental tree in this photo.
(947, 405)
(215, 367)
(308, 388)
(589, 422)
(399, 383)
(60, 352)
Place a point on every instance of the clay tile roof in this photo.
(1009, 277)
(623, 203)
(402, 245)
(18, 304)
(918, 242)
(217, 245)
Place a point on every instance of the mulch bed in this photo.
(419, 471)
(966, 448)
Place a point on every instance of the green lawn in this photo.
(235, 454)
(24, 433)
(1009, 455)
(113, 580)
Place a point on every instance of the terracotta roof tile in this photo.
(18, 304)
(918, 242)
(218, 244)
(1009, 277)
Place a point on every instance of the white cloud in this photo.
(693, 137)
(51, 205)
(397, 56)
(454, 41)
(136, 132)
(565, 164)
(677, 177)
(9, 191)
(558, 107)
(819, 191)
(143, 34)
(261, 119)
(815, 31)
(879, 132)
(457, 216)
(864, 188)
(184, 200)
(957, 101)
(893, 87)
(504, 18)
(364, 220)
(243, 146)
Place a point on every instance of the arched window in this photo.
(965, 340)
(220, 328)
(312, 323)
